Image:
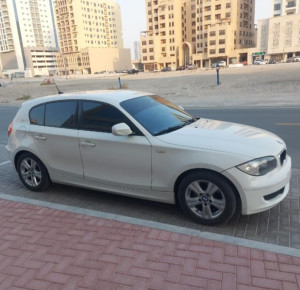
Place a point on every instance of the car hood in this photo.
(226, 137)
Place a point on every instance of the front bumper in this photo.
(260, 193)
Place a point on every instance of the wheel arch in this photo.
(197, 170)
(17, 156)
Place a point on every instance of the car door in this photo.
(109, 160)
(53, 127)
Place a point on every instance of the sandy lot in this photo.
(264, 85)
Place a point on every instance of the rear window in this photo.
(36, 115)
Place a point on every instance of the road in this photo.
(280, 225)
(285, 122)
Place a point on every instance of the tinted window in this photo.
(100, 117)
(36, 115)
(61, 114)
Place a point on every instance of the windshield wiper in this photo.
(174, 128)
(170, 129)
(190, 121)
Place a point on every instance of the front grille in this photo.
(282, 157)
(274, 194)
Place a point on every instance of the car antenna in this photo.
(58, 90)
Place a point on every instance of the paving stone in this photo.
(272, 226)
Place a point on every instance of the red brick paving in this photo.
(42, 248)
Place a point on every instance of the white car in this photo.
(260, 61)
(141, 145)
(296, 58)
(222, 63)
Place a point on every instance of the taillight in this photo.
(10, 127)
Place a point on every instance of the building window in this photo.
(222, 50)
(212, 51)
(277, 6)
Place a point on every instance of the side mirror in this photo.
(121, 129)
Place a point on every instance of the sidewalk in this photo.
(43, 248)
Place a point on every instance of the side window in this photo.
(61, 114)
(100, 116)
(36, 115)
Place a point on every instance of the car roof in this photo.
(109, 96)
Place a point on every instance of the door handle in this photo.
(89, 144)
(40, 137)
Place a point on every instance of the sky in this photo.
(134, 18)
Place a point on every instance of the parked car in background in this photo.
(165, 69)
(290, 59)
(272, 61)
(182, 67)
(141, 145)
(191, 67)
(259, 61)
(222, 63)
(133, 71)
(297, 58)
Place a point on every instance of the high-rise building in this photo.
(285, 7)
(182, 32)
(28, 40)
(90, 36)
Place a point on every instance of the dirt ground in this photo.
(261, 85)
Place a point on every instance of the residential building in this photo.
(279, 37)
(27, 24)
(10, 45)
(285, 7)
(90, 36)
(182, 32)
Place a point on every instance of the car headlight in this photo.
(260, 166)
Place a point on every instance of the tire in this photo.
(207, 197)
(32, 172)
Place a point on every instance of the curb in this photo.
(161, 226)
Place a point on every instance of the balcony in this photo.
(291, 4)
(290, 7)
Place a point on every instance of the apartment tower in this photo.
(285, 7)
(182, 32)
(28, 38)
(90, 36)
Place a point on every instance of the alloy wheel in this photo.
(205, 199)
(31, 172)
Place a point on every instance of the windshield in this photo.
(156, 114)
